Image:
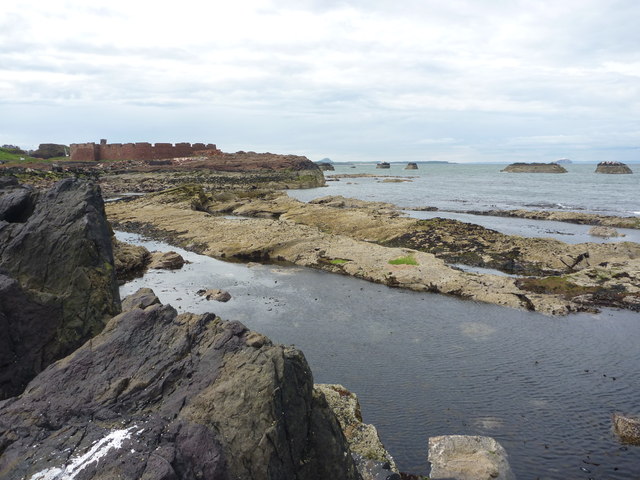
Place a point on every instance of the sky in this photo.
(352, 80)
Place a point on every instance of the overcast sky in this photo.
(395, 80)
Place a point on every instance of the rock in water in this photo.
(162, 396)
(627, 428)
(130, 260)
(166, 260)
(56, 245)
(374, 461)
(605, 232)
(215, 294)
(468, 458)
(613, 168)
(534, 168)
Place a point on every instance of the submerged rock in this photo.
(599, 231)
(163, 396)
(464, 457)
(627, 428)
(56, 245)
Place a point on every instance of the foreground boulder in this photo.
(463, 457)
(163, 396)
(59, 287)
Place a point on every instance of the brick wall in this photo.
(91, 152)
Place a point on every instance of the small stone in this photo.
(215, 294)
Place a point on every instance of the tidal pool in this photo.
(426, 364)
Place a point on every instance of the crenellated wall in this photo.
(92, 152)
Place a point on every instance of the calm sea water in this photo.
(484, 187)
(426, 364)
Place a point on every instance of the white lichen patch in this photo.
(78, 463)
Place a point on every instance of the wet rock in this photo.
(599, 231)
(215, 294)
(363, 438)
(57, 246)
(464, 457)
(383, 165)
(162, 396)
(143, 298)
(166, 260)
(411, 166)
(627, 428)
(130, 260)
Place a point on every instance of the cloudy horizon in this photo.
(469, 81)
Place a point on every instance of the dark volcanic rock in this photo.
(57, 246)
(159, 395)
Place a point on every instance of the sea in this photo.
(424, 364)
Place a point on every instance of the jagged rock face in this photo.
(56, 245)
(163, 396)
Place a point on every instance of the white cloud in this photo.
(482, 72)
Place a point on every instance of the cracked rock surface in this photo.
(162, 396)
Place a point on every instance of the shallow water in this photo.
(484, 187)
(425, 364)
(563, 231)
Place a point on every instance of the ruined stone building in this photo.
(92, 152)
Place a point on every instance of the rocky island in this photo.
(534, 168)
(613, 168)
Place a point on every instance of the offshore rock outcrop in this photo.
(613, 168)
(58, 285)
(162, 396)
(534, 168)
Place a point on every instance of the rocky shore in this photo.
(148, 394)
(560, 216)
(215, 170)
(376, 243)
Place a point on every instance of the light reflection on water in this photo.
(425, 364)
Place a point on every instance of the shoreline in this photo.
(363, 239)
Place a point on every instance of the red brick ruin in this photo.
(91, 152)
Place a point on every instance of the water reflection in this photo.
(426, 364)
